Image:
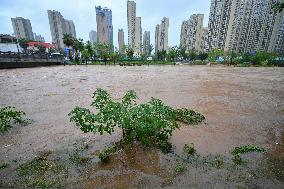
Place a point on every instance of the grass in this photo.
(171, 175)
(42, 172)
(189, 149)
(4, 166)
(78, 160)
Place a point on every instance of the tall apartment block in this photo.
(253, 25)
(191, 33)
(22, 28)
(277, 37)
(204, 40)
(70, 27)
(245, 26)
(38, 38)
(162, 35)
(59, 26)
(146, 43)
(138, 36)
(220, 12)
(131, 21)
(104, 25)
(121, 42)
(93, 36)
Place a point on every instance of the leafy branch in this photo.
(9, 116)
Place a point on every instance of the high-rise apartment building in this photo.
(121, 42)
(277, 37)
(204, 40)
(70, 27)
(104, 25)
(162, 35)
(22, 28)
(101, 28)
(245, 26)
(38, 38)
(59, 26)
(131, 21)
(93, 36)
(191, 33)
(252, 26)
(146, 43)
(220, 15)
(138, 37)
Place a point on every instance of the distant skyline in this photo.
(83, 14)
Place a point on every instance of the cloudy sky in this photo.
(82, 12)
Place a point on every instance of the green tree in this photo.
(129, 53)
(182, 53)
(114, 56)
(172, 54)
(104, 51)
(192, 55)
(214, 54)
(278, 7)
(203, 56)
(41, 48)
(86, 55)
(68, 40)
(24, 43)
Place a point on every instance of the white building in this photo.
(162, 35)
(191, 33)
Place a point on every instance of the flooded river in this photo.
(241, 106)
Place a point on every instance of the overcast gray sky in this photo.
(82, 12)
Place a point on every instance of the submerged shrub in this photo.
(237, 151)
(151, 123)
(189, 149)
(9, 116)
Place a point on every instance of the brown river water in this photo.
(241, 106)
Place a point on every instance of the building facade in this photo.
(93, 36)
(59, 26)
(220, 15)
(101, 28)
(70, 27)
(121, 42)
(162, 35)
(138, 37)
(253, 27)
(131, 21)
(22, 28)
(191, 33)
(245, 26)
(38, 38)
(146, 43)
(204, 40)
(104, 25)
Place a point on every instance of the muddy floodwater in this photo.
(241, 106)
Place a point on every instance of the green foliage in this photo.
(171, 175)
(188, 116)
(278, 7)
(151, 123)
(172, 53)
(24, 43)
(41, 172)
(77, 159)
(214, 54)
(129, 53)
(4, 166)
(9, 116)
(192, 55)
(237, 151)
(179, 168)
(189, 149)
